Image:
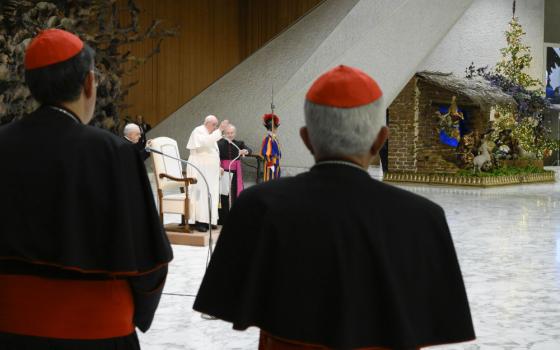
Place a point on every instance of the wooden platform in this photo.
(487, 181)
(177, 235)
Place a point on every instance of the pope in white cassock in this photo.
(205, 155)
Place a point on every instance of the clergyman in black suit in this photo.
(231, 152)
(332, 258)
(133, 134)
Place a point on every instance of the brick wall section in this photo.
(414, 145)
(402, 145)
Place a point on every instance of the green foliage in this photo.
(532, 139)
(516, 58)
(525, 132)
(108, 26)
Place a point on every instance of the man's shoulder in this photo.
(86, 138)
(102, 136)
(362, 191)
(395, 198)
(74, 132)
(278, 189)
(99, 145)
(199, 128)
(270, 195)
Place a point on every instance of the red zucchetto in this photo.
(51, 46)
(270, 116)
(344, 87)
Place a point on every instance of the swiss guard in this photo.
(270, 149)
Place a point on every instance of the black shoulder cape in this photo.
(229, 152)
(335, 258)
(76, 197)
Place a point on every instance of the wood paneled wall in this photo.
(214, 36)
(262, 20)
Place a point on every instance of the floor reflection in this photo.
(508, 244)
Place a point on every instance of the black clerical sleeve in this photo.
(141, 148)
(146, 291)
(90, 207)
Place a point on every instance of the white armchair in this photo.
(172, 183)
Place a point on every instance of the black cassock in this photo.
(140, 147)
(76, 204)
(229, 152)
(333, 257)
(144, 127)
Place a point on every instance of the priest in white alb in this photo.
(205, 155)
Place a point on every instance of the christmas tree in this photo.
(516, 57)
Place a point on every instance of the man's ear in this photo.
(89, 84)
(304, 134)
(382, 136)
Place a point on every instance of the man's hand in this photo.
(224, 124)
(221, 171)
(244, 152)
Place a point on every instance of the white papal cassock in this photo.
(205, 155)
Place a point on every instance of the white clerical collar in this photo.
(340, 162)
(66, 113)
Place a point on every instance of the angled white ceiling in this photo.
(389, 39)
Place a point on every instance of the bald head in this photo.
(132, 132)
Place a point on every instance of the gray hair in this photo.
(343, 131)
(130, 127)
(231, 126)
(210, 118)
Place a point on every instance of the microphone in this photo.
(152, 150)
(234, 145)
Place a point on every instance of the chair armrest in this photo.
(186, 180)
(258, 156)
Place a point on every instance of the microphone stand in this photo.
(151, 150)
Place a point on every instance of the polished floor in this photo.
(508, 243)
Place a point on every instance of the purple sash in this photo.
(235, 167)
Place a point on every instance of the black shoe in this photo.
(214, 227)
(200, 227)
